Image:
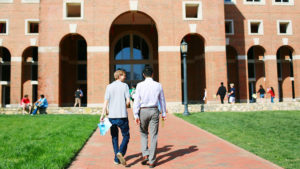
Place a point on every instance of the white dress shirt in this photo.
(149, 93)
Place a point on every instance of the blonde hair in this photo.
(231, 84)
(119, 73)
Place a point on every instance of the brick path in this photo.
(180, 146)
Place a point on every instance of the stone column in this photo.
(15, 81)
(296, 67)
(243, 78)
(271, 73)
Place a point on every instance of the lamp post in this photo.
(184, 49)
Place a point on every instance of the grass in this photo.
(273, 135)
(45, 141)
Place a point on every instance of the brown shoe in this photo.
(145, 160)
(152, 165)
(121, 158)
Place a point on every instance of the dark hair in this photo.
(148, 71)
(260, 86)
(222, 84)
(42, 96)
(272, 90)
(26, 95)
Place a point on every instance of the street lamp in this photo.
(184, 49)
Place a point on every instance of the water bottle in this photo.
(102, 128)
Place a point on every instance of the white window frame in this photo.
(27, 26)
(31, 1)
(200, 15)
(230, 3)
(260, 29)
(7, 26)
(290, 3)
(6, 1)
(65, 9)
(289, 28)
(263, 2)
(232, 26)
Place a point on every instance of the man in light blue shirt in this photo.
(41, 105)
(117, 99)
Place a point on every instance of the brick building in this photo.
(54, 46)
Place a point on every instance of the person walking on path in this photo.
(231, 94)
(25, 103)
(78, 95)
(222, 92)
(149, 94)
(262, 93)
(117, 99)
(272, 94)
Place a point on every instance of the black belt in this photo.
(154, 107)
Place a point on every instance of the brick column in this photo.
(48, 74)
(97, 74)
(169, 64)
(296, 67)
(243, 78)
(271, 73)
(15, 81)
(215, 69)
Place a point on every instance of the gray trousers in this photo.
(149, 117)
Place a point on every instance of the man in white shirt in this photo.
(117, 99)
(149, 94)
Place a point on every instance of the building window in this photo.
(230, 1)
(283, 2)
(254, 2)
(284, 27)
(31, 27)
(3, 27)
(229, 27)
(6, 1)
(255, 27)
(192, 10)
(73, 9)
(31, 1)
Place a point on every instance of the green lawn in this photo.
(43, 141)
(273, 135)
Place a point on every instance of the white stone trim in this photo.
(230, 3)
(95, 105)
(16, 59)
(227, 41)
(34, 82)
(97, 49)
(256, 41)
(270, 57)
(242, 57)
(263, 2)
(4, 83)
(169, 48)
(65, 9)
(31, 1)
(33, 41)
(260, 29)
(199, 3)
(6, 1)
(1, 42)
(7, 26)
(232, 26)
(290, 3)
(285, 41)
(289, 28)
(27, 26)
(292, 78)
(215, 48)
(48, 49)
(193, 28)
(73, 28)
(133, 5)
(296, 57)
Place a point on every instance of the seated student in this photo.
(41, 104)
(25, 103)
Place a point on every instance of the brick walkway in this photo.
(180, 146)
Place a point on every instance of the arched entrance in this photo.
(232, 69)
(134, 45)
(72, 69)
(256, 69)
(5, 76)
(195, 68)
(286, 88)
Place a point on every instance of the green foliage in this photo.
(273, 135)
(43, 141)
